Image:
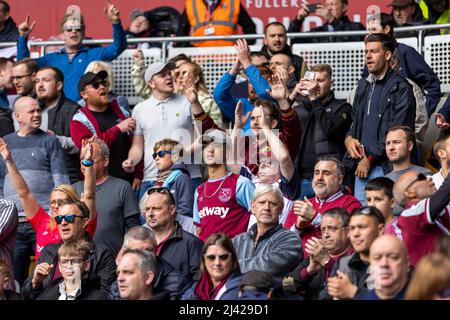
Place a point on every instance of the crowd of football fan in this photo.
(267, 188)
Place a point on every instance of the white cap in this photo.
(156, 68)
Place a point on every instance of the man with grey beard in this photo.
(306, 215)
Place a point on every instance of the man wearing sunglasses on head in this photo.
(73, 59)
(72, 220)
(110, 122)
(426, 215)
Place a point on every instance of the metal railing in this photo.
(166, 40)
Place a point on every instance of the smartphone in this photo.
(312, 7)
(310, 75)
(361, 151)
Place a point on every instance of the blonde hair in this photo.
(74, 248)
(197, 72)
(97, 66)
(430, 278)
(71, 194)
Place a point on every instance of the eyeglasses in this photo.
(264, 163)
(76, 28)
(161, 153)
(73, 262)
(97, 84)
(331, 229)
(420, 177)
(70, 218)
(19, 78)
(213, 257)
(162, 190)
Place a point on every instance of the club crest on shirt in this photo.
(225, 194)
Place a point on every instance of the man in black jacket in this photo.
(325, 121)
(167, 279)
(72, 220)
(382, 100)
(8, 28)
(57, 111)
(334, 12)
(275, 41)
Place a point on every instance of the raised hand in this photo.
(189, 90)
(317, 251)
(243, 52)
(239, 119)
(303, 12)
(278, 85)
(325, 13)
(310, 86)
(87, 148)
(340, 286)
(4, 151)
(304, 210)
(25, 28)
(138, 56)
(112, 12)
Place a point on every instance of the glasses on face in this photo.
(97, 84)
(73, 262)
(72, 28)
(420, 177)
(19, 78)
(161, 153)
(264, 163)
(162, 190)
(70, 218)
(331, 229)
(213, 257)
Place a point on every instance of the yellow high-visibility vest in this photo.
(223, 21)
(444, 17)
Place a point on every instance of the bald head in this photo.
(388, 242)
(389, 265)
(413, 185)
(28, 114)
(23, 102)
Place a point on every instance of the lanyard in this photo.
(209, 12)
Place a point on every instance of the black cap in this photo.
(89, 77)
(261, 280)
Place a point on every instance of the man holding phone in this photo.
(325, 121)
(334, 13)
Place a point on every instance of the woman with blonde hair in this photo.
(46, 224)
(431, 279)
(189, 73)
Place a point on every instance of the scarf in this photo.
(205, 289)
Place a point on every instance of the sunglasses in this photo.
(70, 218)
(420, 177)
(97, 84)
(76, 28)
(161, 190)
(73, 262)
(161, 153)
(213, 257)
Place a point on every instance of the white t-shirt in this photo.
(438, 179)
(156, 120)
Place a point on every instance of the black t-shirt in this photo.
(119, 149)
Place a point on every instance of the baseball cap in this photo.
(262, 281)
(89, 77)
(136, 13)
(217, 136)
(156, 68)
(401, 3)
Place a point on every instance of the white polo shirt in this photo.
(156, 120)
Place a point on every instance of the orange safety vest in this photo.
(222, 22)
